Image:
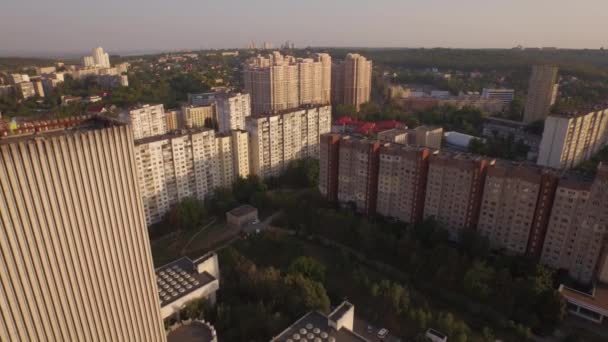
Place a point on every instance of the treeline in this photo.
(516, 287)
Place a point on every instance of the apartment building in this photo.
(199, 116)
(233, 154)
(277, 82)
(516, 202)
(358, 173)
(328, 165)
(454, 190)
(503, 95)
(279, 138)
(421, 136)
(569, 139)
(173, 120)
(175, 166)
(75, 259)
(147, 121)
(542, 93)
(351, 81)
(232, 109)
(26, 90)
(402, 174)
(572, 242)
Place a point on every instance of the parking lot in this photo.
(361, 328)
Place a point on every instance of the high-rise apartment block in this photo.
(358, 173)
(148, 121)
(279, 82)
(577, 226)
(454, 190)
(277, 139)
(75, 259)
(569, 139)
(515, 205)
(188, 163)
(541, 93)
(173, 120)
(176, 166)
(351, 81)
(559, 218)
(402, 182)
(232, 109)
(199, 116)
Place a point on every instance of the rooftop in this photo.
(314, 326)
(179, 278)
(172, 134)
(598, 299)
(31, 130)
(242, 210)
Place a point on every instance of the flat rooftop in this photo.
(242, 210)
(172, 134)
(315, 325)
(178, 279)
(598, 299)
(32, 130)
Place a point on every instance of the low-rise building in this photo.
(184, 280)
(590, 306)
(338, 326)
(242, 216)
(503, 95)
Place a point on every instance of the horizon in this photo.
(69, 27)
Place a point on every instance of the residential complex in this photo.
(559, 218)
(422, 136)
(542, 92)
(351, 81)
(75, 259)
(569, 139)
(277, 82)
(277, 139)
(199, 116)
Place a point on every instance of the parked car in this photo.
(382, 333)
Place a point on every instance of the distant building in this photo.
(351, 81)
(199, 116)
(45, 70)
(503, 95)
(232, 109)
(338, 326)
(278, 82)
(503, 128)
(173, 119)
(541, 93)
(569, 139)
(459, 140)
(148, 121)
(26, 90)
(19, 78)
(6, 90)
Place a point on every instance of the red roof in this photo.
(390, 124)
(346, 120)
(366, 128)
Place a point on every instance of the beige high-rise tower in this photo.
(281, 82)
(352, 81)
(75, 259)
(541, 93)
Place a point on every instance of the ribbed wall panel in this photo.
(75, 259)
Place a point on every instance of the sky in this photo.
(62, 27)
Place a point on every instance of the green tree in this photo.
(307, 267)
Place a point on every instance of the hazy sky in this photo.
(73, 26)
